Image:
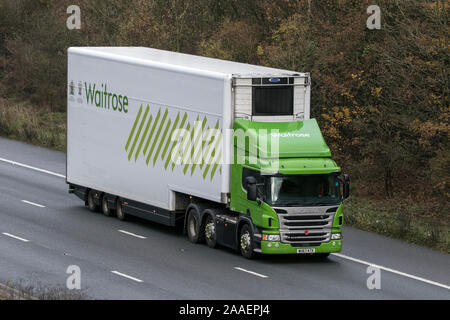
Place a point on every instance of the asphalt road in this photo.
(44, 230)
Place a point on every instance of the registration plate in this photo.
(306, 250)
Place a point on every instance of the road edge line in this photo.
(15, 163)
(404, 274)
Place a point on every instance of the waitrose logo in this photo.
(104, 99)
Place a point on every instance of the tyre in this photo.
(210, 232)
(90, 201)
(193, 227)
(105, 208)
(246, 242)
(119, 210)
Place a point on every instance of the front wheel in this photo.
(246, 242)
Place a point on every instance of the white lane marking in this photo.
(15, 237)
(33, 168)
(132, 234)
(251, 272)
(127, 276)
(33, 204)
(393, 271)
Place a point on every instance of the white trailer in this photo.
(124, 103)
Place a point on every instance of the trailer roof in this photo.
(176, 59)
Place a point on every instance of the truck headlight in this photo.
(335, 236)
(271, 237)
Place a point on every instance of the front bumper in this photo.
(285, 248)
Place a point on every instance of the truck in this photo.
(224, 150)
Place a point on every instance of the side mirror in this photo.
(346, 191)
(250, 183)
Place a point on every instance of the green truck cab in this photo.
(294, 202)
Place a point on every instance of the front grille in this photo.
(306, 226)
(306, 223)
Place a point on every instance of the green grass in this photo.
(21, 121)
(32, 289)
(398, 218)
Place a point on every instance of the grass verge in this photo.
(21, 291)
(21, 121)
(397, 218)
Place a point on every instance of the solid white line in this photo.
(132, 234)
(33, 168)
(15, 237)
(127, 276)
(251, 272)
(434, 283)
(33, 204)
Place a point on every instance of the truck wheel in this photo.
(246, 242)
(119, 210)
(193, 227)
(210, 232)
(105, 208)
(90, 201)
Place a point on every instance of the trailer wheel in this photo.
(210, 232)
(90, 201)
(246, 242)
(105, 208)
(193, 227)
(119, 210)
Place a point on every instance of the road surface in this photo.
(44, 230)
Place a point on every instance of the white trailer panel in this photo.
(119, 134)
(97, 136)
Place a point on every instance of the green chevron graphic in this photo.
(162, 139)
(196, 141)
(138, 132)
(178, 148)
(177, 135)
(143, 138)
(134, 128)
(152, 131)
(171, 132)
(213, 152)
(193, 132)
(158, 138)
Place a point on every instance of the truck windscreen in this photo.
(273, 100)
(303, 190)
